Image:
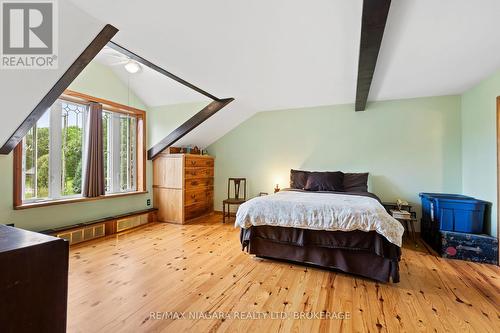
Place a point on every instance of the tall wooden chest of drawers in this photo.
(183, 186)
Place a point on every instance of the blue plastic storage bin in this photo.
(451, 212)
(460, 214)
(428, 211)
(429, 227)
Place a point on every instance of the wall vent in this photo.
(131, 222)
(83, 234)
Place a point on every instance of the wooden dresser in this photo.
(183, 186)
(33, 281)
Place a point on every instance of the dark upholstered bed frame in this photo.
(367, 254)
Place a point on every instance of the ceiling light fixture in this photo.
(132, 67)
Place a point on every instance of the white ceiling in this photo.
(294, 53)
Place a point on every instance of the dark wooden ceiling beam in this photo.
(71, 73)
(188, 126)
(372, 30)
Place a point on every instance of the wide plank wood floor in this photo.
(116, 282)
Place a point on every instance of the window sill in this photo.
(74, 200)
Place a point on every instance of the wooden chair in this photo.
(237, 199)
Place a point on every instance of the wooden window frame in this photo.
(141, 157)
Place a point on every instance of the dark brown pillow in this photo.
(324, 181)
(298, 179)
(355, 182)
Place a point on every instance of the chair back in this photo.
(237, 188)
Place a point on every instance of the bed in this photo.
(341, 230)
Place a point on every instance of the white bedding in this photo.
(320, 211)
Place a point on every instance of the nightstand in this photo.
(392, 205)
(408, 223)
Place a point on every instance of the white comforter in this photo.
(320, 211)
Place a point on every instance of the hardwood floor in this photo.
(117, 282)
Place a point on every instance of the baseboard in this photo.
(194, 220)
(219, 212)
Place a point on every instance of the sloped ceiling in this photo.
(293, 53)
(152, 87)
(22, 90)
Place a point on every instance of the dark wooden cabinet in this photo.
(33, 281)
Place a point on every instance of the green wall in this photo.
(408, 146)
(164, 119)
(479, 150)
(98, 81)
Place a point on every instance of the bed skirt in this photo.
(367, 254)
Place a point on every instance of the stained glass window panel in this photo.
(72, 142)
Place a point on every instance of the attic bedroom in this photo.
(249, 166)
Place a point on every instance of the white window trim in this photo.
(55, 150)
(85, 141)
(115, 152)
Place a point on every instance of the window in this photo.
(50, 160)
(36, 160)
(120, 152)
(53, 153)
